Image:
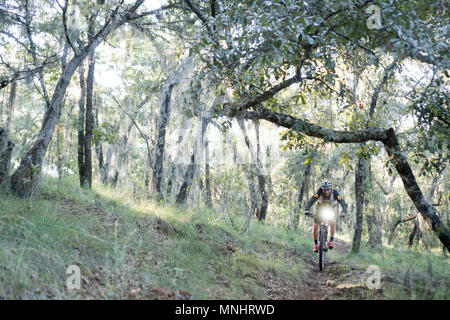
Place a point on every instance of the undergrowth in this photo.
(130, 247)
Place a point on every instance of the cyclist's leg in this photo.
(316, 237)
(332, 228)
(332, 232)
(316, 231)
(316, 228)
(332, 223)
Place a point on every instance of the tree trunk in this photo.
(6, 148)
(257, 165)
(89, 121)
(253, 198)
(11, 104)
(25, 179)
(2, 104)
(195, 159)
(204, 142)
(413, 190)
(81, 120)
(304, 190)
(58, 151)
(359, 195)
(375, 238)
(249, 173)
(261, 177)
(254, 206)
(178, 166)
(187, 182)
(99, 147)
(208, 197)
(161, 141)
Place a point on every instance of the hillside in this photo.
(128, 248)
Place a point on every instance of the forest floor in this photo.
(129, 248)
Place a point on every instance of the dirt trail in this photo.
(338, 280)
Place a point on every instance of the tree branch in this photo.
(387, 74)
(144, 136)
(33, 53)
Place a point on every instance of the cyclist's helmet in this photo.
(326, 185)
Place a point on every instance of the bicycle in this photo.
(326, 213)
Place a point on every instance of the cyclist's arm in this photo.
(311, 201)
(341, 201)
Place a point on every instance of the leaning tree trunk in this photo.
(187, 182)
(412, 188)
(25, 179)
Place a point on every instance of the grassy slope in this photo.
(135, 249)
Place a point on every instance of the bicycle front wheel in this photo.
(322, 251)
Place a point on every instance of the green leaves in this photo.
(369, 150)
(345, 160)
(105, 132)
(293, 140)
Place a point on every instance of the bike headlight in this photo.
(327, 213)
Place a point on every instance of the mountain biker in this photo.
(326, 196)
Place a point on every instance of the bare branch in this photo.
(33, 52)
(387, 74)
(143, 135)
